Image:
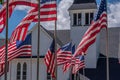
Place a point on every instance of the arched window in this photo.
(24, 77)
(18, 71)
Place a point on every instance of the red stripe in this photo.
(24, 3)
(48, 12)
(49, 6)
(46, 19)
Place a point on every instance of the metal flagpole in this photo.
(74, 76)
(10, 69)
(71, 72)
(6, 40)
(31, 67)
(55, 37)
(107, 55)
(84, 73)
(38, 46)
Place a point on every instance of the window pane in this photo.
(87, 18)
(48, 76)
(18, 71)
(91, 17)
(74, 19)
(24, 71)
(79, 19)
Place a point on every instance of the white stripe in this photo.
(22, 34)
(46, 16)
(2, 26)
(25, 22)
(47, 9)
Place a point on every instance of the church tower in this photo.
(82, 13)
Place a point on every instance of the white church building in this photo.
(81, 14)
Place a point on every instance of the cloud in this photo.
(63, 18)
(63, 14)
(22, 8)
(114, 15)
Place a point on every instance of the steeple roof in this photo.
(83, 1)
(83, 4)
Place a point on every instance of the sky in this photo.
(63, 21)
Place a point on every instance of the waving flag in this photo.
(89, 37)
(2, 67)
(64, 54)
(3, 18)
(20, 32)
(67, 65)
(47, 11)
(78, 64)
(50, 59)
(75, 64)
(15, 49)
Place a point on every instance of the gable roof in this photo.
(63, 36)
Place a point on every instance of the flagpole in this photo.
(107, 56)
(55, 37)
(71, 72)
(10, 69)
(74, 76)
(84, 73)
(6, 41)
(31, 67)
(38, 46)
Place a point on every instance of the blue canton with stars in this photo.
(102, 8)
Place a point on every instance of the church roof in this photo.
(61, 40)
(83, 1)
(83, 6)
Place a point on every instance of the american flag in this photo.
(64, 54)
(21, 30)
(48, 13)
(2, 67)
(50, 59)
(15, 49)
(3, 18)
(78, 64)
(89, 37)
(47, 10)
(67, 65)
(75, 64)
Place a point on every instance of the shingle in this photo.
(83, 6)
(63, 35)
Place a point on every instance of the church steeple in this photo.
(82, 12)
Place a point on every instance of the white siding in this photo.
(32, 70)
(45, 42)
